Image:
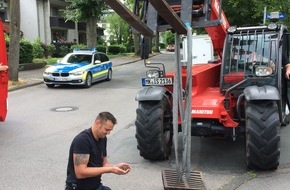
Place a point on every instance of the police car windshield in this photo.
(77, 59)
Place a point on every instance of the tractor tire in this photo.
(154, 129)
(262, 135)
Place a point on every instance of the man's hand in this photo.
(122, 168)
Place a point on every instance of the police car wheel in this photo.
(88, 83)
(50, 85)
(109, 75)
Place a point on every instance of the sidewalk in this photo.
(34, 77)
(267, 180)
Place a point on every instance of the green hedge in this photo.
(48, 50)
(77, 46)
(101, 48)
(162, 45)
(116, 49)
(38, 50)
(25, 52)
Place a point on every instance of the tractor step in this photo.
(171, 182)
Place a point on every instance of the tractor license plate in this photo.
(156, 81)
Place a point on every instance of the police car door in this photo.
(97, 73)
(106, 64)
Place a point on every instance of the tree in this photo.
(242, 13)
(13, 58)
(281, 6)
(88, 11)
(118, 28)
(169, 37)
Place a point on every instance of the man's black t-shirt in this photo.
(285, 60)
(85, 143)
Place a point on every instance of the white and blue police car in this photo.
(81, 67)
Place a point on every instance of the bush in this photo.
(122, 49)
(162, 45)
(77, 46)
(51, 61)
(25, 52)
(129, 49)
(132, 49)
(63, 50)
(38, 51)
(114, 49)
(101, 48)
(48, 50)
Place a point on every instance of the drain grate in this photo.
(64, 109)
(171, 182)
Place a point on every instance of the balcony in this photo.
(59, 22)
(82, 27)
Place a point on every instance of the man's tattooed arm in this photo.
(81, 159)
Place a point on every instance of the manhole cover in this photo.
(64, 109)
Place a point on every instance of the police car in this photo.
(82, 67)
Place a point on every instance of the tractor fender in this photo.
(151, 93)
(261, 93)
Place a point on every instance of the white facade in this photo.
(41, 19)
(35, 20)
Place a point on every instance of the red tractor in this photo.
(3, 75)
(243, 92)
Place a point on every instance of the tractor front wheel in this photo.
(262, 135)
(154, 129)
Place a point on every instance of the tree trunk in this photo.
(91, 32)
(156, 48)
(13, 58)
(137, 44)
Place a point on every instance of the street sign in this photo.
(281, 16)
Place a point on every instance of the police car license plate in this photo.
(60, 79)
(156, 81)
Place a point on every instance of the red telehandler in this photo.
(3, 76)
(243, 92)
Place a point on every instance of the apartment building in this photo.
(42, 19)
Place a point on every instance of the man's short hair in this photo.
(105, 116)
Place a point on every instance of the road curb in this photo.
(25, 86)
(242, 180)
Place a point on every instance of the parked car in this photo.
(82, 67)
(170, 48)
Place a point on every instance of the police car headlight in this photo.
(47, 73)
(152, 74)
(78, 73)
(262, 71)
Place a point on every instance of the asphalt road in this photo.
(41, 122)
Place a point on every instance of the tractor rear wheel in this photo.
(262, 135)
(154, 129)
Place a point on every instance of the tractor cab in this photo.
(256, 56)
